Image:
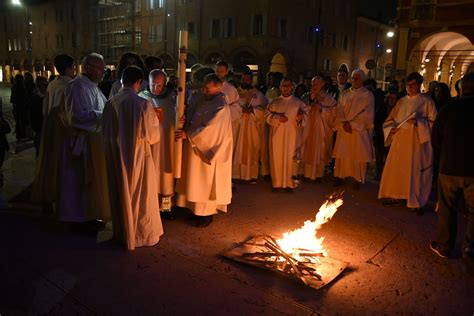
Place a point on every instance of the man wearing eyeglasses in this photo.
(354, 124)
(82, 182)
(408, 170)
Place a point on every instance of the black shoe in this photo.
(168, 215)
(338, 182)
(253, 181)
(203, 221)
(267, 177)
(318, 180)
(391, 202)
(276, 190)
(438, 249)
(289, 190)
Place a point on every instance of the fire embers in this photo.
(299, 254)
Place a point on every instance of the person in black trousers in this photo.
(452, 140)
(4, 146)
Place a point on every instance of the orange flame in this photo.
(305, 239)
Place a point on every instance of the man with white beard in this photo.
(284, 115)
(82, 179)
(408, 170)
(247, 147)
(206, 183)
(232, 96)
(318, 130)
(161, 98)
(354, 124)
(131, 127)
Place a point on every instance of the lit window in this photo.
(327, 64)
(138, 35)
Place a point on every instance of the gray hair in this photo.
(360, 72)
(90, 58)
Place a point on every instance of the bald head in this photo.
(467, 84)
(157, 81)
(93, 67)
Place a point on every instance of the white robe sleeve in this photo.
(212, 139)
(82, 117)
(425, 122)
(389, 124)
(364, 118)
(272, 117)
(151, 125)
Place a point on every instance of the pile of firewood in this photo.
(274, 257)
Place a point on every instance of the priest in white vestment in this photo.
(206, 183)
(82, 179)
(273, 92)
(408, 170)
(247, 147)
(131, 127)
(232, 96)
(284, 115)
(163, 99)
(354, 123)
(44, 186)
(318, 130)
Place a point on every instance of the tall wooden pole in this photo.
(178, 145)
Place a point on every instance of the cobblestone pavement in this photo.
(49, 268)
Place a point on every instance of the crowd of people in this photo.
(106, 147)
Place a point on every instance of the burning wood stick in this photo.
(288, 258)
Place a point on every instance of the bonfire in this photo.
(299, 254)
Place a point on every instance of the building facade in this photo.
(435, 38)
(32, 36)
(295, 38)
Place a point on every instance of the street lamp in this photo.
(388, 51)
(390, 34)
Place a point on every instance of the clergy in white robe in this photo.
(82, 179)
(131, 127)
(247, 147)
(318, 130)
(206, 183)
(354, 124)
(232, 96)
(273, 92)
(408, 170)
(284, 115)
(44, 186)
(160, 97)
